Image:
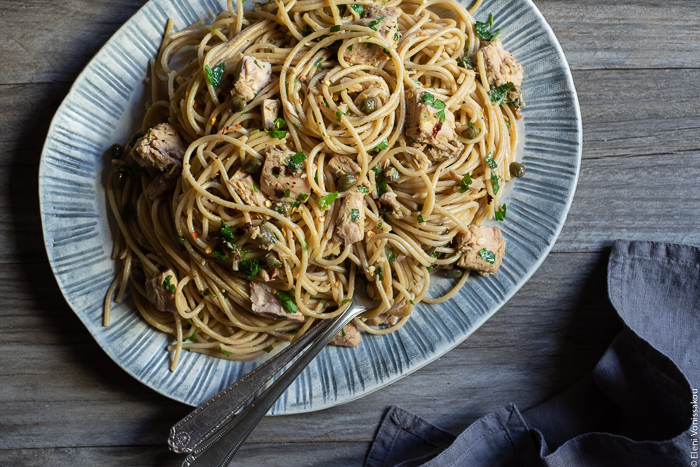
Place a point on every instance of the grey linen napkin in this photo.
(638, 407)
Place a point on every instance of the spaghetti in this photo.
(246, 217)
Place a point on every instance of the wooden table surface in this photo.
(636, 65)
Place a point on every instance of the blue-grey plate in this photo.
(105, 105)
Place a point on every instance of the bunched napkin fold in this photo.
(638, 407)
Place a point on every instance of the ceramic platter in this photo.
(105, 105)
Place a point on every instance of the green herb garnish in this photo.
(359, 9)
(492, 163)
(500, 214)
(487, 255)
(390, 255)
(335, 28)
(354, 214)
(327, 200)
(437, 104)
(494, 182)
(288, 300)
(363, 189)
(167, 285)
(279, 134)
(214, 75)
(375, 22)
(499, 94)
(249, 268)
(483, 30)
(219, 254)
(379, 274)
(463, 186)
(382, 145)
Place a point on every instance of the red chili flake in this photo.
(436, 130)
(271, 272)
(276, 171)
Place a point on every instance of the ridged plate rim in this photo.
(75, 225)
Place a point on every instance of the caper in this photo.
(252, 165)
(472, 132)
(517, 170)
(369, 105)
(284, 208)
(391, 175)
(237, 103)
(267, 237)
(117, 151)
(346, 181)
(272, 260)
(138, 274)
(454, 273)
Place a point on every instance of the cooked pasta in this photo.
(289, 148)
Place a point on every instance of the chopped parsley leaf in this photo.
(499, 94)
(500, 214)
(363, 189)
(279, 134)
(226, 236)
(494, 182)
(191, 338)
(390, 255)
(318, 63)
(295, 163)
(218, 254)
(378, 272)
(355, 214)
(228, 354)
(249, 268)
(180, 239)
(286, 193)
(437, 104)
(167, 285)
(492, 163)
(483, 30)
(288, 300)
(382, 145)
(214, 75)
(463, 186)
(280, 123)
(339, 115)
(268, 349)
(335, 28)
(325, 202)
(487, 255)
(420, 218)
(375, 22)
(359, 9)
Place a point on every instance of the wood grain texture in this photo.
(64, 402)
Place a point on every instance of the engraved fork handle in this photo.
(206, 419)
(219, 449)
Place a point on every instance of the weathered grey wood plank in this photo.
(266, 455)
(594, 34)
(641, 157)
(60, 387)
(25, 113)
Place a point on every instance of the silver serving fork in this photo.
(213, 433)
